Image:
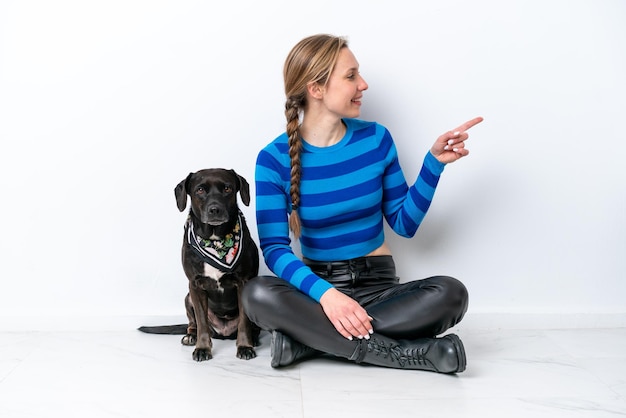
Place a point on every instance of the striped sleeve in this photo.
(272, 208)
(405, 207)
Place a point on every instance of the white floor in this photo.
(543, 373)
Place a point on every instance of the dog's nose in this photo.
(214, 210)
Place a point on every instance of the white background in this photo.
(106, 105)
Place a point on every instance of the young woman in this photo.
(332, 179)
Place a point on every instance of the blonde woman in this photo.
(332, 180)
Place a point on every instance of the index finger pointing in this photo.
(464, 127)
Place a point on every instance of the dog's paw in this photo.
(189, 339)
(246, 353)
(202, 354)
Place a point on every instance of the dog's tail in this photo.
(180, 329)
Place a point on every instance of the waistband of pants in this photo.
(354, 264)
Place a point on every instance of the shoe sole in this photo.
(460, 352)
(277, 342)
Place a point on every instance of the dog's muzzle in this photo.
(214, 215)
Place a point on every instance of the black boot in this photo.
(441, 355)
(284, 350)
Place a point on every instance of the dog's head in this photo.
(213, 194)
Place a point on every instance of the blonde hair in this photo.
(311, 60)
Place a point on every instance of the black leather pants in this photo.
(416, 309)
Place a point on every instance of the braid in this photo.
(292, 113)
(310, 61)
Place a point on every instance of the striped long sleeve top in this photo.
(345, 192)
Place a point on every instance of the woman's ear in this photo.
(315, 90)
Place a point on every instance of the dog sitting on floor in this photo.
(218, 256)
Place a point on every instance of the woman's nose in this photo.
(363, 84)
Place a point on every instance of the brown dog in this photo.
(218, 257)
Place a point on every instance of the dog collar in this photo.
(223, 253)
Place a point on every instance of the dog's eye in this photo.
(228, 188)
(200, 190)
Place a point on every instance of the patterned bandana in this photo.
(222, 254)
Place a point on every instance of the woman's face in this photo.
(344, 90)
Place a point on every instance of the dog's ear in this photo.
(180, 191)
(244, 189)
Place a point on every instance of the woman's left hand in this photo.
(450, 146)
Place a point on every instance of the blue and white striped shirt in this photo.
(346, 189)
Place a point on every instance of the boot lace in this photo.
(404, 357)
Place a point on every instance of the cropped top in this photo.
(346, 191)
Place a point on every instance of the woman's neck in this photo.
(322, 133)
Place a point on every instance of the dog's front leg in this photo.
(204, 345)
(192, 329)
(245, 339)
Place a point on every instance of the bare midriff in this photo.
(382, 250)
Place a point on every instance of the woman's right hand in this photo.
(347, 316)
(450, 146)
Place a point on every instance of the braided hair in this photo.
(312, 60)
